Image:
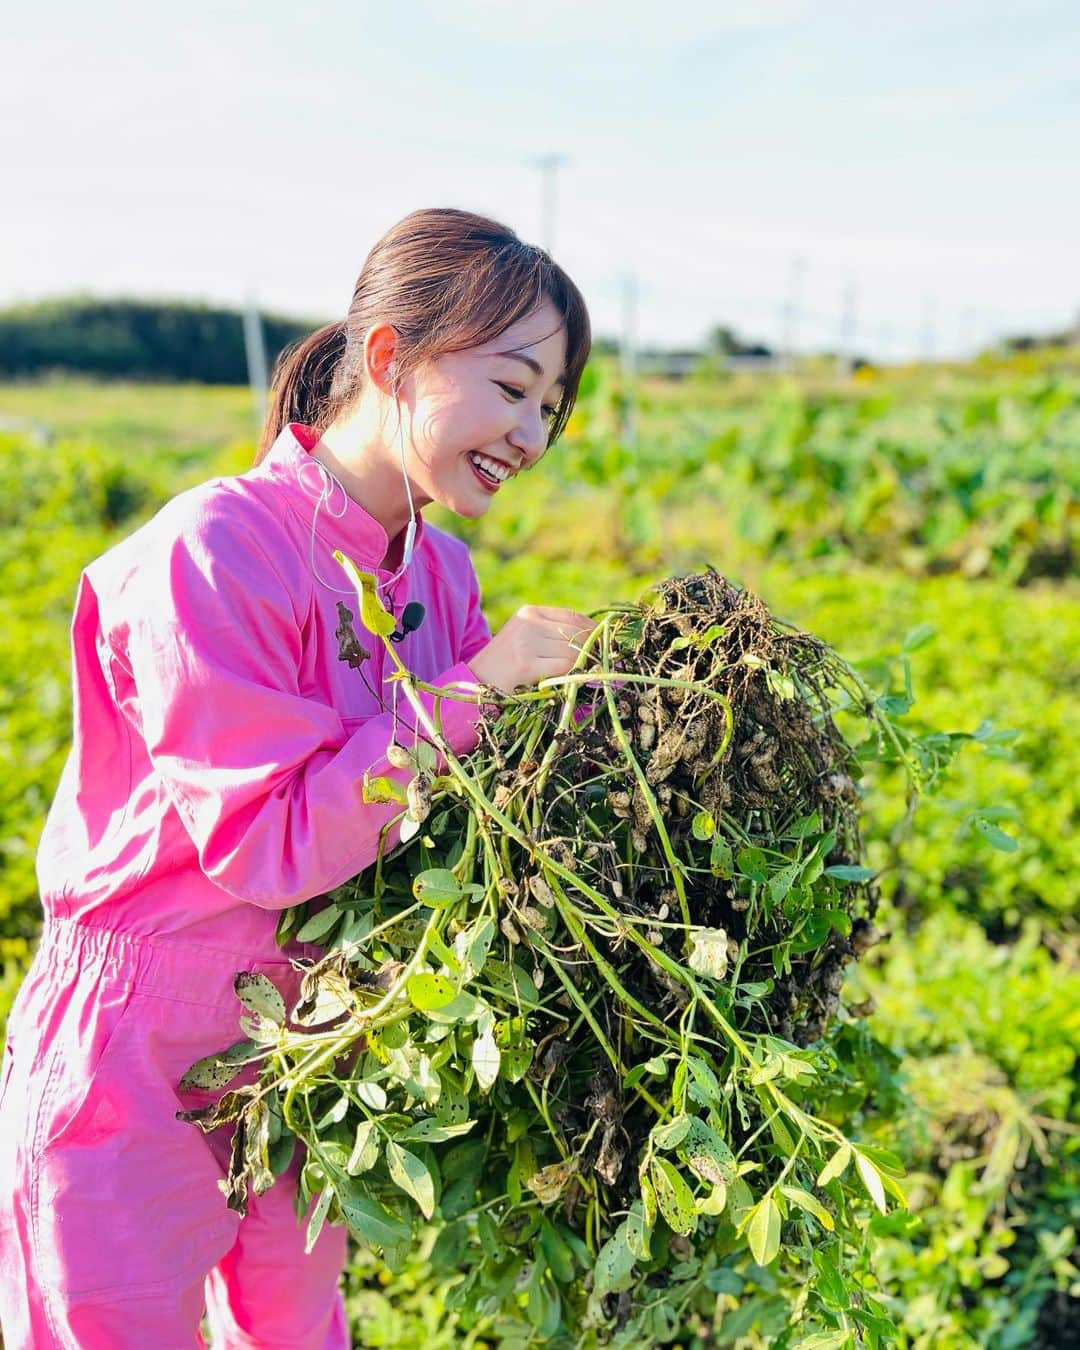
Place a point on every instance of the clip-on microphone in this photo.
(412, 616)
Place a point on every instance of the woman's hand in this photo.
(537, 643)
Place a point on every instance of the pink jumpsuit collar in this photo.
(341, 523)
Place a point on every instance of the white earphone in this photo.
(410, 529)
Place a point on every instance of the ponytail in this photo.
(301, 388)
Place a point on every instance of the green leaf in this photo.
(614, 1267)
(215, 1071)
(437, 887)
(918, 637)
(884, 1160)
(848, 872)
(673, 1195)
(486, 1057)
(804, 1200)
(703, 826)
(380, 790)
(260, 996)
(371, 1222)
(318, 1216)
(427, 990)
(365, 1151)
(824, 1340)
(411, 1174)
(648, 1202)
(721, 861)
(557, 1253)
(830, 1283)
(434, 1131)
(374, 615)
(705, 1088)
(763, 1231)
(751, 863)
(836, 1166)
(782, 881)
(638, 1233)
(318, 925)
(673, 1133)
(871, 1179)
(473, 943)
(994, 835)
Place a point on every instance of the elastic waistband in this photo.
(170, 965)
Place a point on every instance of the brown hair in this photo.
(446, 280)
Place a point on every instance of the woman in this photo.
(220, 744)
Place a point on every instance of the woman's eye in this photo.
(518, 394)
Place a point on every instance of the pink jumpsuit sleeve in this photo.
(267, 780)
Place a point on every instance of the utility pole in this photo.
(628, 359)
(929, 328)
(548, 165)
(790, 310)
(845, 352)
(255, 351)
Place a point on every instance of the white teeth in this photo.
(492, 467)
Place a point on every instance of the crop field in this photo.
(924, 522)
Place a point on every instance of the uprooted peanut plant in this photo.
(581, 1019)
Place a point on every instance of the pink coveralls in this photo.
(215, 778)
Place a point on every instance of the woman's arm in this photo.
(267, 782)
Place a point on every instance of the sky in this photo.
(896, 180)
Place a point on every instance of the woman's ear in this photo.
(380, 350)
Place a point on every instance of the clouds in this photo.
(925, 155)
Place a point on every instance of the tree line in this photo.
(135, 339)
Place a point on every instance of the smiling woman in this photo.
(227, 718)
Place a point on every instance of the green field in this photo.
(943, 501)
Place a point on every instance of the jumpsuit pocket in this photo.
(74, 1070)
(126, 1196)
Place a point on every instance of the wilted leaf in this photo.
(548, 1183)
(707, 1155)
(215, 1071)
(374, 615)
(673, 1195)
(259, 995)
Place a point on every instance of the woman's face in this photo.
(473, 419)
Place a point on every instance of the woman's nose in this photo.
(530, 436)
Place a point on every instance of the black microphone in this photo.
(412, 616)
